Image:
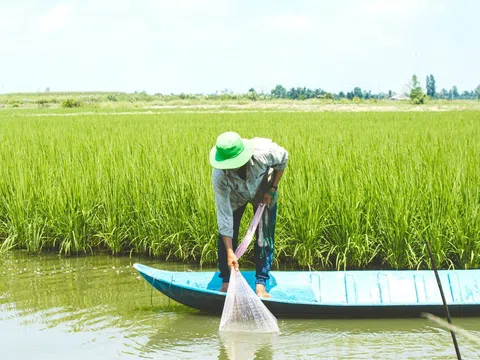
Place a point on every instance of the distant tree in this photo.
(292, 93)
(310, 94)
(319, 93)
(477, 91)
(431, 87)
(455, 93)
(47, 90)
(390, 94)
(301, 93)
(416, 92)
(252, 94)
(357, 92)
(443, 94)
(279, 92)
(350, 95)
(341, 94)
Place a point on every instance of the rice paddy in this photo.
(361, 190)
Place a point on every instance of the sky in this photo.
(204, 46)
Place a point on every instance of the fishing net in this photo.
(243, 310)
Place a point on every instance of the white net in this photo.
(244, 311)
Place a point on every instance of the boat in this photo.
(355, 294)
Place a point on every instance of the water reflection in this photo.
(99, 307)
(244, 345)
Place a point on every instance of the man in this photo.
(245, 171)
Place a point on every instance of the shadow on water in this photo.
(99, 307)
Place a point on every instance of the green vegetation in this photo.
(416, 92)
(361, 190)
(101, 102)
(70, 103)
(140, 99)
(431, 87)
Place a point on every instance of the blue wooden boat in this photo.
(360, 294)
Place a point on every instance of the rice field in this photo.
(362, 190)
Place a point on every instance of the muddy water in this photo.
(99, 308)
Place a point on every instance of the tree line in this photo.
(303, 93)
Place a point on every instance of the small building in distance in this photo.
(400, 97)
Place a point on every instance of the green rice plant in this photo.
(361, 190)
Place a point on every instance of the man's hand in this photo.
(267, 199)
(232, 260)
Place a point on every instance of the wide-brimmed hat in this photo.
(231, 151)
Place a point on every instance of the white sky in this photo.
(207, 45)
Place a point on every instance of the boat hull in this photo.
(199, 290)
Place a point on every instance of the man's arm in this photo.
(278, 158)
(224, 217)
(277, 175)
(231, 257)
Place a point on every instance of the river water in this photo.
(98, 307)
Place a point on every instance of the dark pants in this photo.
(263, 262)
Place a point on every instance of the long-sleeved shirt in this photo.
(232, 192)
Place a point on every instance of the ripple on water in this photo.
(99, 308)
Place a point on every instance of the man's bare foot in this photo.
(224, 287)
(262, 292)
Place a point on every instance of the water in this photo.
(99, 308)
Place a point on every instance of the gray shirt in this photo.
(232, 192)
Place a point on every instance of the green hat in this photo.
(231, 151)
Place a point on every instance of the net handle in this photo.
(250, 232)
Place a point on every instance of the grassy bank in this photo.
(361, 189)
(116, 101)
